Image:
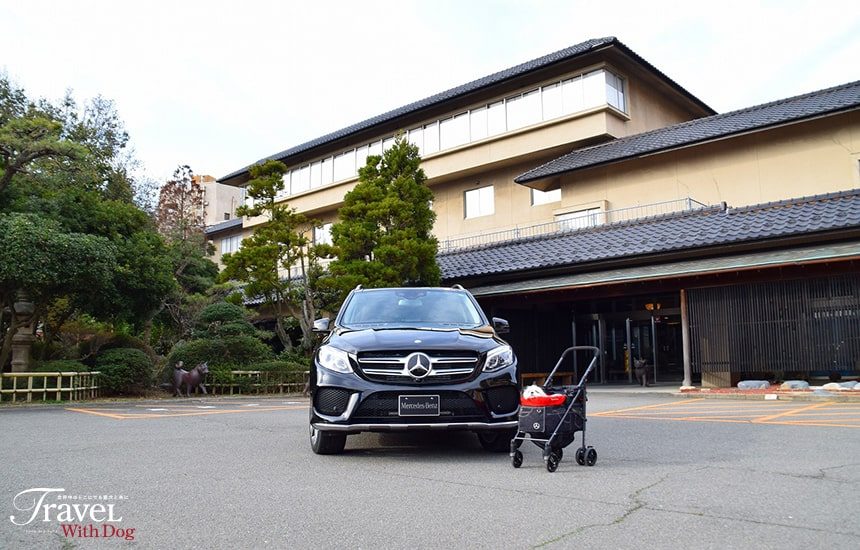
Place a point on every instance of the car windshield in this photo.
(411, 308)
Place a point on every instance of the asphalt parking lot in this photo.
(239, 473)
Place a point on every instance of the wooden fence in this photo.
(72, 386)
(57, 386)
(255, 381)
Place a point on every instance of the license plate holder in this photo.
(418, 405)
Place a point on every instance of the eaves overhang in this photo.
(414, 109)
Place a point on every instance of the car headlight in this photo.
(334, 359)
(499, 357)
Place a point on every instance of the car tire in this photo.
(496, 441)
(327, 443)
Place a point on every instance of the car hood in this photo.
(353, 341)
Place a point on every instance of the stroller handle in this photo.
(569, 351)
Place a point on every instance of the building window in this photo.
(416, 138)
(322, 234)
(496, 118)
(327, 170)
(231, 244)
(226, 216)
(344, 165)
(478, 124)
(524, 110)
(615, 91)
(300, 180)
(454, 131)
(579, 219)
(316, 174)
(479, 202)
(431, 138)
(545, 197)
(361, 157)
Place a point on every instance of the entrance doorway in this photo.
(644, 327)
(647, 329)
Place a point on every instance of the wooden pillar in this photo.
(685, 340)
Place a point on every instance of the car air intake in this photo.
(332, 401)
(502, 400)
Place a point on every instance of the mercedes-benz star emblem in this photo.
(418, 365)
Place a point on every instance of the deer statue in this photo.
(192, 379)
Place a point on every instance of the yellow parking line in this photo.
(815, 423)
(133, 416)
(681, 402)
(683, 419)
(97, 413)
(822, 414)
(854, 413)
(791, 412)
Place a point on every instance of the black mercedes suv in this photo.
(398, 359)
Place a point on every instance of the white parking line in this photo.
(251, 405)
(156, 410)
(205, 406)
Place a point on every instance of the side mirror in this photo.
(322, 325)
(501, 326)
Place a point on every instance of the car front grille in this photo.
(452, 404)
(390, 366)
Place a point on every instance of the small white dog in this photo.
(533, 391)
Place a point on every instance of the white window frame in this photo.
(231, 244)
(322, 234)
(485, 197)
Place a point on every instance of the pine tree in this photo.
(268, 259)
(384, 234)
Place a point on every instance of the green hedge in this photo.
(234, 351)
(221, 312)
(61, 365)
(124, 371)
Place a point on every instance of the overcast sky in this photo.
(218, 85)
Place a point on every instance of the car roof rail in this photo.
(357, 287)
(458, 287)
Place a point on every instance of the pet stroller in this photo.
(551, 421)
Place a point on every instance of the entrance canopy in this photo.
(689, 268)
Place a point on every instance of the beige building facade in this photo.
(594, 140)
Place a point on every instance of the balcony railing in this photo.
(574, 224)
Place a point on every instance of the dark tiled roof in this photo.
(704, 228)
(831, 100)
(475, 85)
(223, 226)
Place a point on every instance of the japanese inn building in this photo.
(591, 200)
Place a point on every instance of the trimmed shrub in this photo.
(124, 370)
(221, 312)
(234, 351)
(296, 356)
(61, 365)
(278, 366)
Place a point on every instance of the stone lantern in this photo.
(22, 340)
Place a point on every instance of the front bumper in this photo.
(369, 407)
(474, 426)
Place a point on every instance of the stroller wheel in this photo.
(590, 456)
(552, 462)
(580, 456)
(517, 459)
